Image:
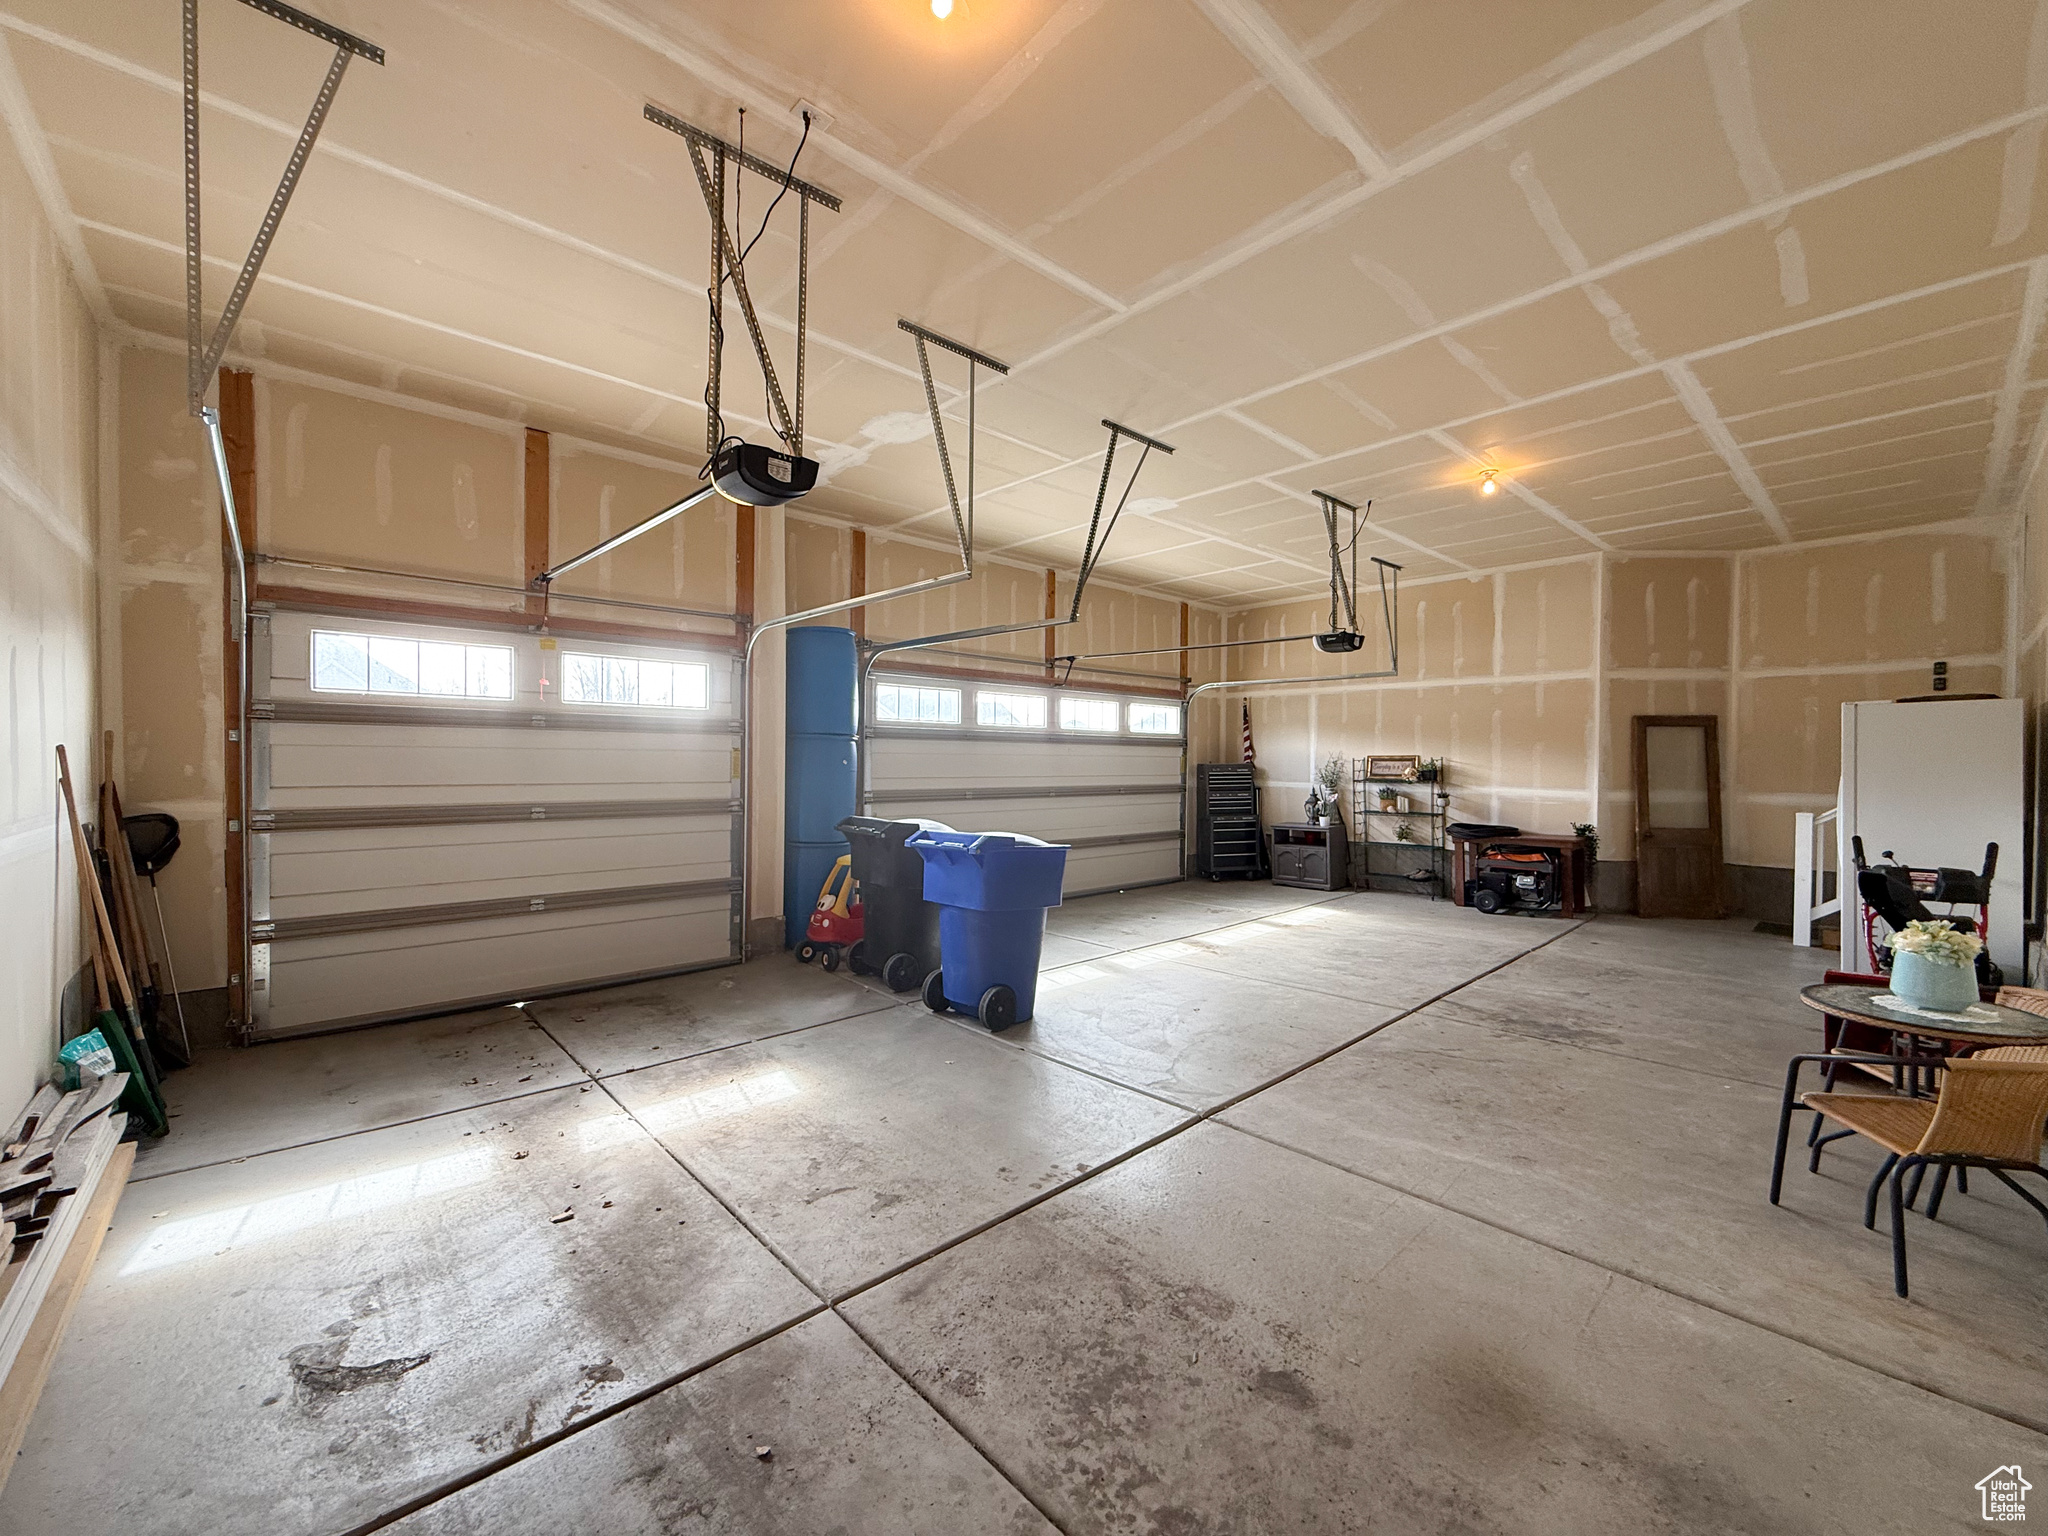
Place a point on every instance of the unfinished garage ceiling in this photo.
(1684, 276)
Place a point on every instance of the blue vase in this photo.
(1926, 983)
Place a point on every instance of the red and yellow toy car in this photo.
(836, 923)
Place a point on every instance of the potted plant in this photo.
(1591, 834)
(1429, 770)
(1934, 966)
(1330, 781)
(1404, 833)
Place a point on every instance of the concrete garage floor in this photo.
(1287, 1213)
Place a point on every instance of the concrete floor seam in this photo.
(556, 1437)
(967, 1435)
(1384, 1024)
(2016, 1420)
(828, 1303)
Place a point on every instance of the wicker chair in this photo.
(1989, 1115)
(2026, 999)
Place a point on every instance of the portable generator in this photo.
(1515, 880)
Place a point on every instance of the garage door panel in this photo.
(916, 764)
(1113, 797)
(1107, 869)
(320, 872)
(417, 853)
(308, 772)
(353, 978)
(1069, 818)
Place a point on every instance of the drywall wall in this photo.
(163, 635)
(1496, 677)
(1526, 680)
(1819, 626)
(49, 466)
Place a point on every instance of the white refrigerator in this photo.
(1934, 782)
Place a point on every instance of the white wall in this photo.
(49, 370)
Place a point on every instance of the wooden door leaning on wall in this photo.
(1679, 870)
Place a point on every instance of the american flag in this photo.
(1250, 755)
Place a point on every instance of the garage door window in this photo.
(922, 706)
(1088, 714)
(346, 663)
(1155, 719)
(630, 680)
(1021, 710)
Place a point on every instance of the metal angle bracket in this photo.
(725, 266)
(1098, 532)
(963, 525)
(202, 357)
(1342, 586)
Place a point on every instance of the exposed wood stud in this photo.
(539, 509)
(857, 581)
(743, 561)
(238, 432)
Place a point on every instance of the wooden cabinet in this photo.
(1316, 858)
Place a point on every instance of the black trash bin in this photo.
(901, 943)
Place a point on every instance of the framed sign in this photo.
(1392, 767)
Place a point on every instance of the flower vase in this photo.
(1925, 983)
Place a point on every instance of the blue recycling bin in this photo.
(992, 890)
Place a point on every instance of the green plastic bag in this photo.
(87, 1056)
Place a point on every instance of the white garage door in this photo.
(443, 817)
(1099, 771)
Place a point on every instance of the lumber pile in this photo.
(62, 1168)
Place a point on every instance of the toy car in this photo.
(836, 923)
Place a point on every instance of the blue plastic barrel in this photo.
(818, 767)
(992, 890)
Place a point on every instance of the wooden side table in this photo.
(1575, 895)
(1317, 858)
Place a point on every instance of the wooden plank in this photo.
(24, 1383)
(238, 436)
(857, 584)
(539, 506)
(46, 1099)
(1052, 611)
(743, 561)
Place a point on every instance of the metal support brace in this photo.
(725, 265)
(1341, 585)
(1098, 534)
(201, 362)
(963, 522)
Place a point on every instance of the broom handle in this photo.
(91, 882)
(121, 865)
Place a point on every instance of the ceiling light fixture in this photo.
(1488, 486)
(942, 8)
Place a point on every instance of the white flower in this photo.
(1937, 941)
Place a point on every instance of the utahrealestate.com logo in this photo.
(2005, 1495)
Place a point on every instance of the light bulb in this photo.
(942, 8)
(1488, 486)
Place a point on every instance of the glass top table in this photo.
(1985, 1023)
